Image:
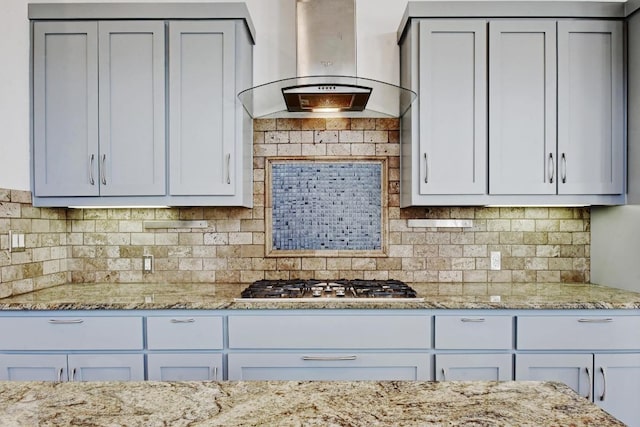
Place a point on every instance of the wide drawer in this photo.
(334, 366)
(184, 332)
(578, 332)
(330, 332)
(70, 333)
(474, 332)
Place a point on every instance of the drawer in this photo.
(588, 332)
(334, 366)
(474, 332)
(330, 332)
(184, 332)
(70, 333)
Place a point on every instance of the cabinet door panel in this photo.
(453, 116)
(590, 107)
(132, 141)
(329, 366)
(184, 367)
(474, 367)
(106, 367)
(522, 107)
(617, 386)
(33, 367)
(202, 108)
(65, 108)
(575, 370)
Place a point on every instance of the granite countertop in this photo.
(295, 403)
(128, 296)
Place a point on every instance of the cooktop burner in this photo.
(338, 289)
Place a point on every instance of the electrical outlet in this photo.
(495, 260)
(16, 241)
(147, 263)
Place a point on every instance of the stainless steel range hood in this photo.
(327, 83)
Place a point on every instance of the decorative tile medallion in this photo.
(329, 205)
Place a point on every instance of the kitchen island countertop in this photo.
(154, 296)
(309, 403)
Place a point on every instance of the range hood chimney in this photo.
(326, 84)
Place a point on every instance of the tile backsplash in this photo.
(107, 245)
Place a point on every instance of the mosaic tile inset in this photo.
(330, 206)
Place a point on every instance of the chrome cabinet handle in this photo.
(564, 168)
(228, 168)
(604, 383)
(91, 180)
(214, 372)
(103, 171)
(444, 374)
(190, 320)
(590, 383)
(60, 371)
(73, 374)
(552, 169)
(65, 321)
(473, 320)
(426, 169)
(598, 320)
(330, 358)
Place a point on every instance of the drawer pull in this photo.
(65, 321)
(190, 320)
(600, 320)
(330, 358)
(472, 319)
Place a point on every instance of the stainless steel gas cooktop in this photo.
(317, 290)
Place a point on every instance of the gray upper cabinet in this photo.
(131, 90)
(522, 107)
(202, 91)
(514, 109)
(65, 108)
(134, 107)
(590, 107)
(453, 116)
(99, 108)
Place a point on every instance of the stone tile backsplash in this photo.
(107, 245)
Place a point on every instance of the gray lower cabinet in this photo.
(187, 366)
(612, 381)
(98, 108)
(474, 367)
(72, 367)
(329, 346)
(335, 366)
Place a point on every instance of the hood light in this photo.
(326, 110)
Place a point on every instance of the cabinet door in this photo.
(65, 108)
(453, 107)
(106, 367)
(575, 370)
(33, 367)
(329, 366)
(522, 107)
(131, 88)
(184, 367)
(202, 109)
(617, 386)
(590, 107)
(474, 367)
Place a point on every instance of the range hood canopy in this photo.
(326, 64)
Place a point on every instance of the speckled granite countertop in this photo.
(293, 403)
(223, 296)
